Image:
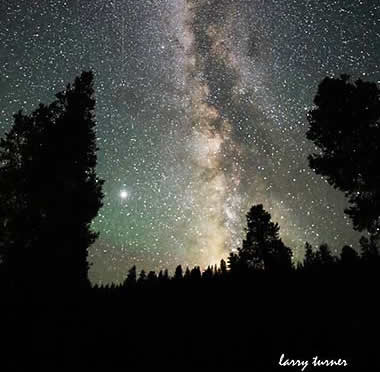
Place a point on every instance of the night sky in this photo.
(201, 113)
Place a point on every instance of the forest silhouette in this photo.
(241, 314)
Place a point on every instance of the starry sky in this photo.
(201, 113)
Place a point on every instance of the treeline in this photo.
(50, 193)
(316, 261)
(263, 252)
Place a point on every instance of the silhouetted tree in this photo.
(208, 273)
(163, 276)
(262, 248)
(195, 273)
(142, 277)
(49, 191)
(187, 273)
(310, 257)
(166, 275)
(324, 256)
(216, 271)
(369, 251)
(151, 279)
(130, 280)
(160, 275)
(233, 262)
(178, 274)
(345, 127)
(223, 267)
(349, 257)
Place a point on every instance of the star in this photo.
(124, 194)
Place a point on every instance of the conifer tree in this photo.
(310, 257)
(262, 247)
(49, 190)
(178, 274)
(345, 126)
(130, 280)
(223, 267)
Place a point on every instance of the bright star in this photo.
(123, 194)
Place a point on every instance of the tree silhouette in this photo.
(369, 252)
(346, 129)
(208, 273)
(178, 274)
(152, 277)
(142, 277)
(130, 280)
(349, 257)
(187, 274)
(233, 262)
(278, 257)
(223, 267)
(310, 257)
(195, 273)
(160, 275)
(262, 247)
(324, 256)
(49, 191)
(163, 276)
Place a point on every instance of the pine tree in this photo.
(345, 126)
(142, 277)
(187, 273)
(152, 277)
(369, 250)
(166, 275)
(223, 267)
(349, 257)
(263, 248)
(195, 273)
(178, 274)
(310, 257)
(324, 256)
(233, 262)
(49, 190)
(160, 275)
(208, 273)
(130, 280)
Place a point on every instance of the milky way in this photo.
(201, 113)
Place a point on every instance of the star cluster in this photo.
(201, 113)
